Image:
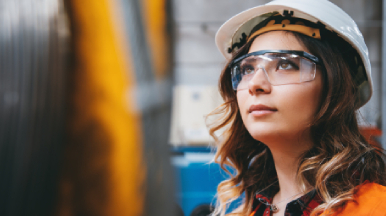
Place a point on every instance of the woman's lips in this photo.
(261, 110)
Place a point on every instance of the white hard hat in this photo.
(323, 11)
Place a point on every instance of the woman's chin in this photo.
(267, 136)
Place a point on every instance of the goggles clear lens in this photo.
(280, 68)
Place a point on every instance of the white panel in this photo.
(191, 103)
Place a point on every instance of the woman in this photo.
(297, 72)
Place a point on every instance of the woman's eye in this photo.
(248, 70)
(285, 66)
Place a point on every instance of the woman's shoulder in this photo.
(371, 189)
(370, 199)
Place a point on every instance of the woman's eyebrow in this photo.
(249, 60)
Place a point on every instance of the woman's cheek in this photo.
(301, 104)
(242, 98)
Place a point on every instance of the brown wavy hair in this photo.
(341, 157)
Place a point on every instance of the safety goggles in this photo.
(280, 67)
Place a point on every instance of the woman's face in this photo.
(282, 113)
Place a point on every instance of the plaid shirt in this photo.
(299, 207)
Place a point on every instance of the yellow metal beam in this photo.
(103, 172)
(155, 17)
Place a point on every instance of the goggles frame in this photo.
(262, 52)
(303, 54)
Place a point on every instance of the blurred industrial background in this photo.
(103, 103)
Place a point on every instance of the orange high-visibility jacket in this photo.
(370, 200)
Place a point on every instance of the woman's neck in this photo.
(286, 168)
(286, 155)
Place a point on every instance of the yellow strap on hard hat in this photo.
(285, 25)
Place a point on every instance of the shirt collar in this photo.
(307, 202)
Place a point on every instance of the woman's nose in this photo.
(259, 82)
